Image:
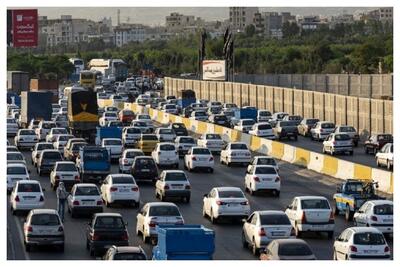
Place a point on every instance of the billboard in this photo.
(24, 27)
(214, 70)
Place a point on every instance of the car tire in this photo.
(356, 143)
(61, 248)
(335, 208)
(351, 153)
(245, 244)
(254, 248)
(211, 170)
(277, 193)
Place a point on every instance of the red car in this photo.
(126, 116)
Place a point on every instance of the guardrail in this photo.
(320, 163)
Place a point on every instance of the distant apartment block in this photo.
(241, 17)
(382, 14)
(176, 21)
(310, 23)
(126, 33)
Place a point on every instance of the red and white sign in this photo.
(214, 70)
(25, 27)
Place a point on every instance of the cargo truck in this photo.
(35, 105)
(93, 163)
(244, 113)
(107, 132)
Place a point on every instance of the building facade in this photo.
(126, 33)
(241, 17)
(176, 21)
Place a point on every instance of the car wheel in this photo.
(245, 244)
(349, 214)
(211, 170)
(335, 208)
(61, 248)
(351, 153)
(277, 193)
(254, 248)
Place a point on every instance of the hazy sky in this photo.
(156, 15)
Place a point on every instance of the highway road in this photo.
(295, 181)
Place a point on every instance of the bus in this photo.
(87, 79)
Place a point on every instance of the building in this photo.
(270, 23)
(341, 19)
(126, 33)
(382, 14)
(241, 17)
(310, 23)
(175, 21)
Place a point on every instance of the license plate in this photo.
(267, 179)
(123, 190)
(202, 159)
(145, 170)
(387, 220)
(278, 233)
(370, 251)
(29, 197)
(87, 202)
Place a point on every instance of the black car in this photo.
(47, 160)
(221, 120)
(179, 129)
(144, 168)
(125, 253)
(105, 230)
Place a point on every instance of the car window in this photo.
(264, 127)
(265, 170)
(314, 204)
(248, 122)
(164, 211)
(384, 137)
(311, 121)
(122, 180)
(354, 188)
(385, 209)
(327, 125)
(178, 126)
(347, 129)
(111, 222)
(86, 191)
(44, 146)
(368, 239)
(201, 151)
(133, 131)
(76, 146)
(186, 140)
(166, 131)
(16, 170)
(213, 136)
(144, 163)
(239, 146)
(230, 194)
(266, 161)
(167, 147)
(66, 167)
(342, 137)
(59, 131)
(287, 123)
(28, 188)
(294, 249)
(95, 155)
(274, 219)
(133, 154)
(149, 137)
(27, 132)
(14, 156)
(52, 155)
(175, 176)
(45, 219)
(112, 142)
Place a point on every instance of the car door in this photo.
(104, 187)
(247, 227)
(140, 217)
(361, 215)
(340, 245)
(291, 212)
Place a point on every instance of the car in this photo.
(144, 168)
(211, 141)
(361, 243)
(183, 144)
(262, 129)
(213, 110)
(126, 159)
(244, 125)
(263, 115)
(120, 188)
(47, 160)
(33, 124)
(66, 172)
(60, 141)
(16, 172)
(321, 130)
(285, 129)
(350, 131)
(63, 110)
(296, 118)
(147, 119)
(73, 151)
(108, 116)
(12, 127)
(263, 160)
(376, 213)
(43, 227)
(262, 178)
(305, 126)
(288, 249)
(26, 195)
(114, 147)
(12, 148)
(54, 132)
(147, 143)
(229, 115)
(199, 115)
(37, 149)
(55, 107)
(105, 230)
(15, 157)
(61, 120)
(170, 108)
(199, 158)
(165, 154)
(173, 183)
(219, 119)
(277, 116)
(376, 142)
(235, 152)
(261, 227)
(70, 142)
(142, 125)
(25, 138)
(311, 214)
(165, 134)
(385, 156)
(125, 253)
(85, 198)
(130, 136)
(44, 128)
(225, 202)
(116, 99)
(229, 107)
(337, 143)
(153, 214)
(179, 128)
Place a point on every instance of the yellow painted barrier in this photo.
(302, 157)
(186, 121)
(278, 150)
(201, 127)
(235, 136)
(218, 129)
(255, 143)
(330, 166)
(362, 172)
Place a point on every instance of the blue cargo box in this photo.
(183, 103)
(13, 98)
(107, 132)
(184, 242)
(246, 113)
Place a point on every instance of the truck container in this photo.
(107, 132)
(246, 113)
(185, 102)
(43, 84)
(184, 242)
(17, 81)
(35, 105)
(13, 98)
(93, 163)
(187, 93)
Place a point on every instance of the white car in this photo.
(165, 134)
(146, 118)
(262, 178)
(108, 116)
(311, 214)
(66, 172)
(337, 143)
(16, 172)
(199, 158)
(37, 149)
(165, 154)
(116, 99)
(25, 138)
(54, 132)
(262, 129)
(26, 195)
(244, 125)
(120, 188)
(235, 152)
(84, 198)
(263, 115)
(155, 213)
(361, 243)
(173, 183)
(114, 147)
(351, 131)
(61, 141)
(199, 115)
(211, 141)
(321, 130)
(12, 127)
(15, 157)
(63, 110)
(376, 213)
(183, 144)
(127, 158)
(263, 160)
(225, 202)
(385, 156)
(44, 128)
(229, 107)
(142, 125)
(261, 227)
(130, 136)
(55, 107)
(170, 108)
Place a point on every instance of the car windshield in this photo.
(64, 137)
(175, 176)
(201, 151)
(52, 155)
(266, 161)
(349, 129)
(140, 124)
(170, 107)
(129, 256)
(186, 140)
(230, 194)
(45, 219)
(167, 147)
(368, 239)
(200, 113)
(229, 113)
(60, 131)
(213, 136)
(122, 180)
(312, 121)
(166, 131)
(110, 114)
(110, 222)
(149, 137)
(287, 123)
(274, 219)
(86, 191)
(385, 137)
(327, 125)
(248, 122)
(220, 118)
(264, 127)
(14, 156)
(354, 188)
(128, 112)
(294, 250)
(265, 170)
(112, 142)
(76, 146)
(133, 154)
(115, 123)
(16, 170)
(294, 118)
(10, 120)
(44, 146)
(264, 113)
(66, 167)
(144, 117)
(281, 115)
(133, 131)
(239, 146)
(27, 132)
(320, 204)
(94, 155)
(164, 211)
(385, 209)
(144, 163)
(29, 187)
(117, 97)
(342, 137)
(48, 125)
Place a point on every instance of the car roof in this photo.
(238, 143)
(363, 229)
(166, 143)
(28, 182)
(270, 212)
(127, 249)
(107, 214)
(227, 188)
(65, 162)
(44, 211)
(265, 165)
(16, 165)
(85, 184)
(173, 171)
(380, 202)
(264, 157)
(133, 150)
(311, 197)
(151, 204)
(290, 241)
(120, 175)
(14, 152)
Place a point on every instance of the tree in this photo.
(250, 30)
(290, 29)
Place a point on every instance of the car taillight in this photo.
(113, 189)
(125, 236)
(60, 229)
(219, 202)
(331, 217)
(321, 130)
(16, 198)
(244, 203)
(277, 179)
(374, 218)
(135, 189)
(334, 143)
(194, 158)
(99, 202)
(29, 228)
(41, 198)
(387, 249)
(211, 159)
(353, 249)
(255, 178)
(303, 217)
(75, 203)
(77, 178)
(57, 177)
(187, 186)
(94, 237)
(152, 224)
(166, 187)
(292, 232)
(125, 161)
(262, 232)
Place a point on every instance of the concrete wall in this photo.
(365, 114)
(364, 85)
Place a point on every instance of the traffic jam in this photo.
(74, 164)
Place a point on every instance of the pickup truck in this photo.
(244, 125)
(285, 129)
(352, 194)
(93, 163)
